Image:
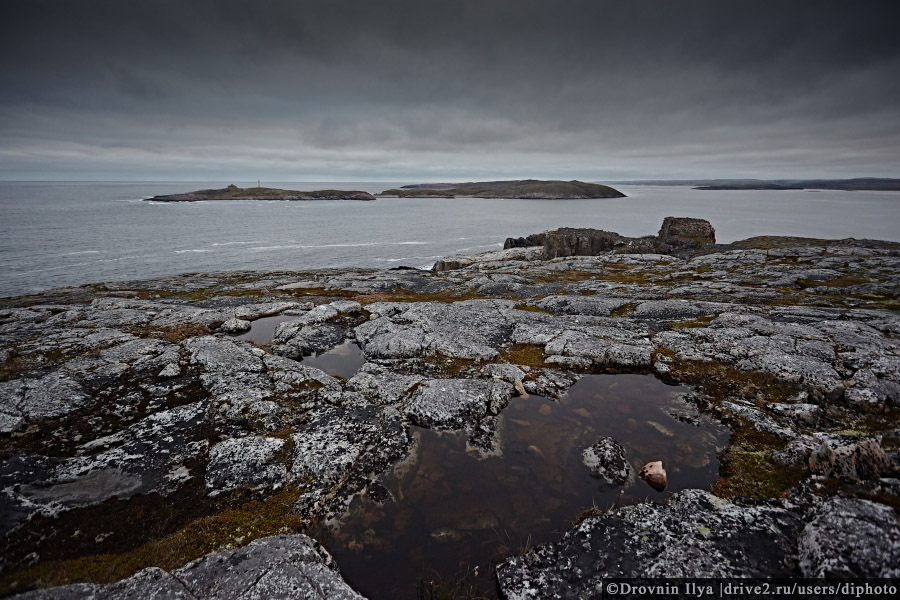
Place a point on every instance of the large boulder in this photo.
(686, 230)
(569, 241)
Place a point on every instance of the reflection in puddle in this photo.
(263, 330)
(453, 512)
(343, 360)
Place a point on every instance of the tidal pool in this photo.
(263, 330)
(455, 514)
(344, 360)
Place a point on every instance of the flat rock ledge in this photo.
(283, 566)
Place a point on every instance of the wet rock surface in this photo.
(132, 394)
(288, 566)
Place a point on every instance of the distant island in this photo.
(232, 192)
(524, 189)
(881, 184)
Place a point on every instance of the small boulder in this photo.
(234, 325)
(606, 460)
(655, 475)
(849, 459)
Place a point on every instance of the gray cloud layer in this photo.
(417, 89)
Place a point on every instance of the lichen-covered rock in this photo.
(849, 537)
(695, 532)
(148, 457)
(34, 399)
(278, 567)
(240, 462)
(235, 325)
(606, 460)
(338, 452)
(848, 458)
(455, 403)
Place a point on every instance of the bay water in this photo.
(71, 233)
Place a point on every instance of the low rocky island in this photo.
(149, 449)
(521, 189)
(232, 192)
(872, 184)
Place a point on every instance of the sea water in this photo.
(62, 233)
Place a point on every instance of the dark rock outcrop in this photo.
(686, 230)
(676, 235)
(568, 241)
(535, 239)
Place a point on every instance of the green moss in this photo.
(587, 292)
(720, 380)
(838, 282)
(747, 468)
(450, 366)
(531, 355)
(402, 295)
(566, 276)
(622, 311)
(530, 308)
(173, 334)
(231, 528)
(694, 323)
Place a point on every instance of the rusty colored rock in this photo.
(655, 475)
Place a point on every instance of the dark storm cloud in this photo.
(415, 89)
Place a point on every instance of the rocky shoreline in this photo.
(142, 442)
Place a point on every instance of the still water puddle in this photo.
(344, 360)
(263, 330)
(457, 513)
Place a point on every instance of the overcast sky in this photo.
(421, 91)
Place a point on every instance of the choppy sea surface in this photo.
(64, 233)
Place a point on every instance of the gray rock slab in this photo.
(695, 532)
(850, 537)
(455, 403)
(245, 462)
(278, 567)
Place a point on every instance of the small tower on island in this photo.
(258, 185)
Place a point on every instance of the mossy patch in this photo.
(569, 276)
(530, 355)
(531, 308)
(403, 295)
(450, 366)
(623, 311)
(173, 334)
(719, 380)
(747, 468)
(230, 528)
(838, 282)
(694, 323)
